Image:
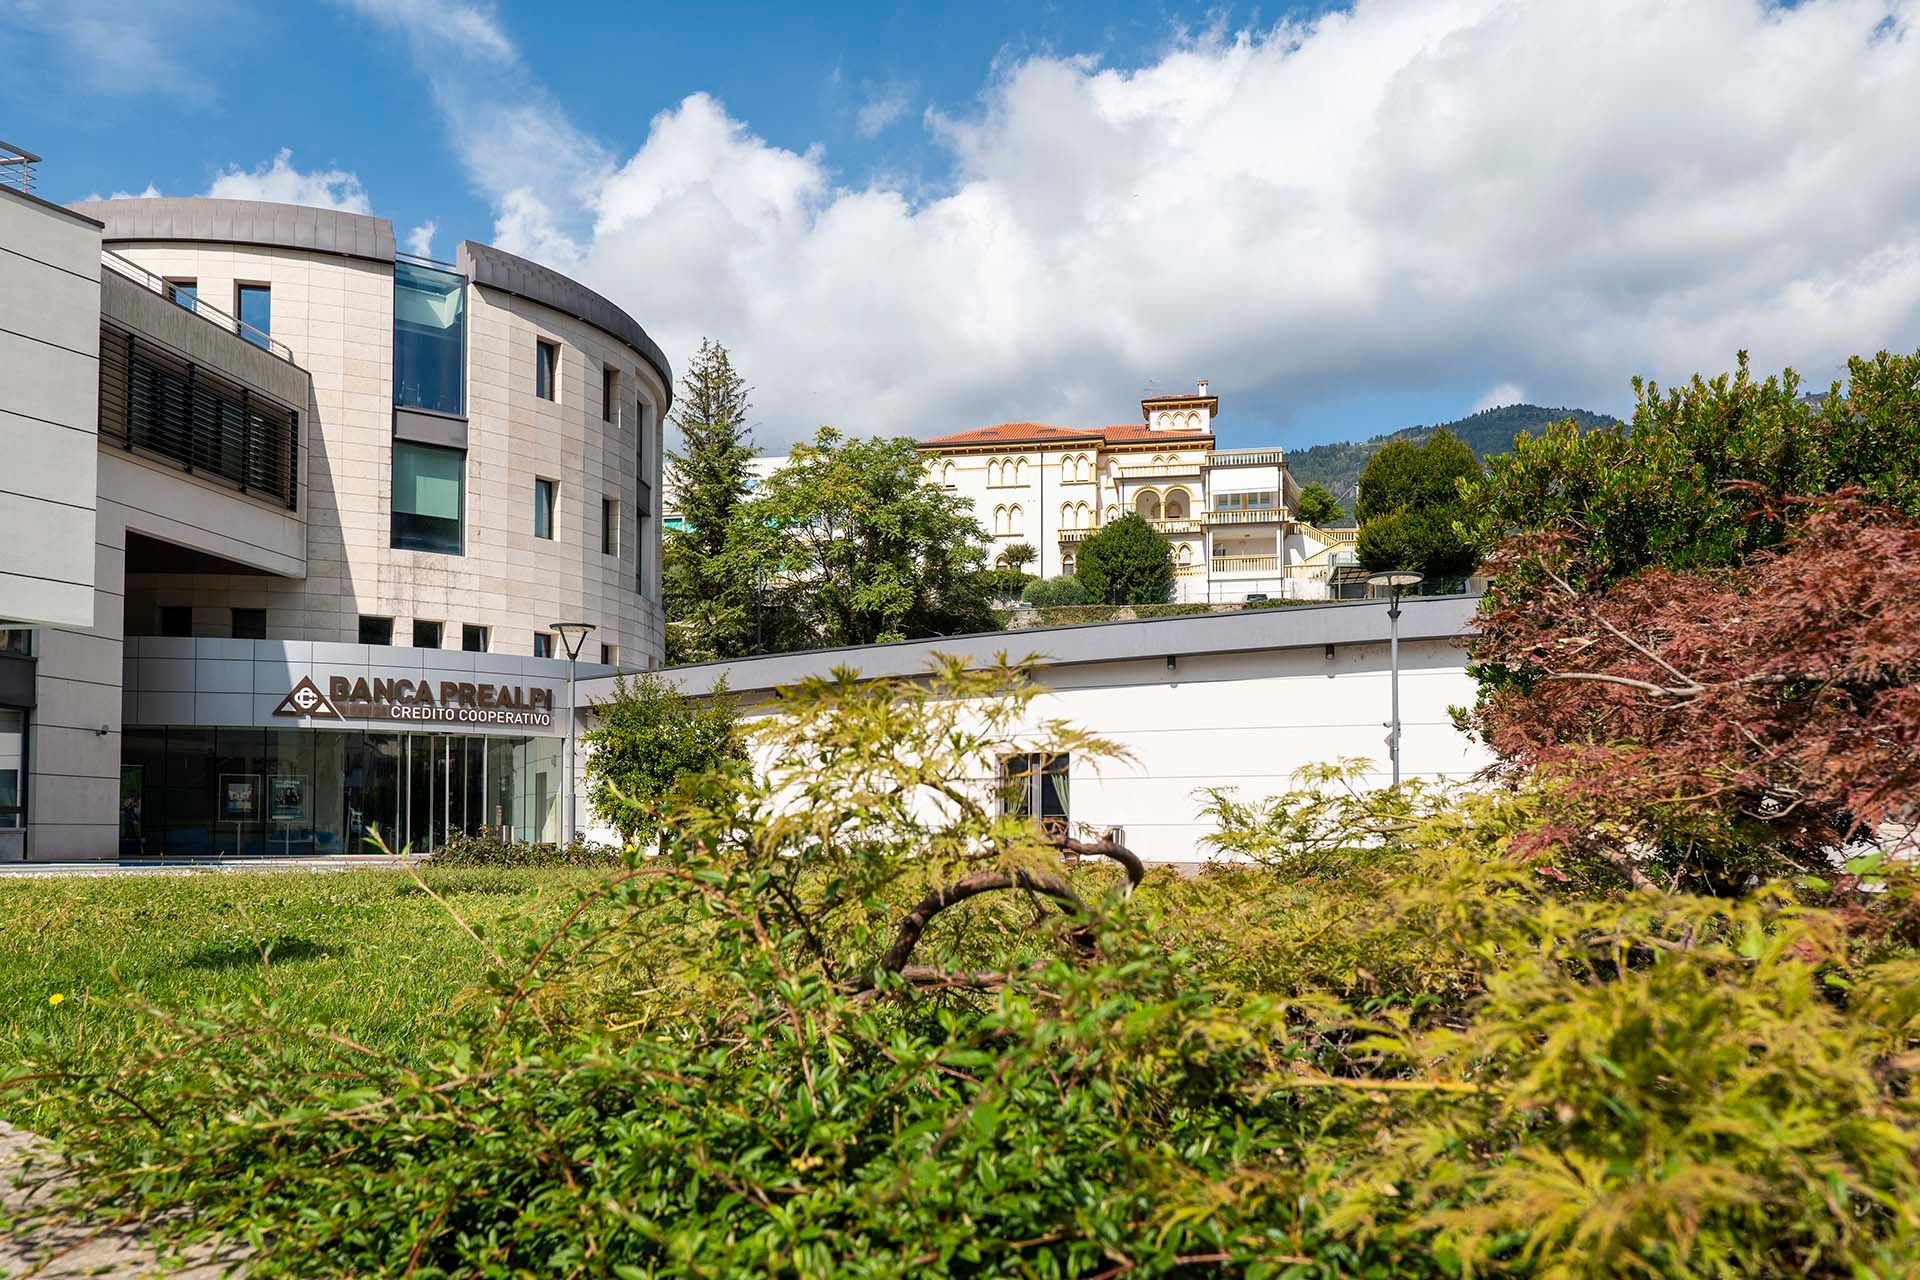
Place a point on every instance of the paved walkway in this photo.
(28, 1176)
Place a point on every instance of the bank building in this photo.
(286, 519)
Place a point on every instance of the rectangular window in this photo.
(429, 339)
(609, 393)
(546, 369)
(473, 639)
(542, 645)
(13, 769)
(429, 490)
(253, 303)
(545, 499)
(609, 655)
(184, 292)
(609, 527)
(249, 624)
(17, 640)
(1036, 785)
(426, 635)
(176, 619)
(376, 630)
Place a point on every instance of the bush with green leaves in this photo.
(1049, 592)
(860, 1019)
(487, 849)
(1127, 562)
(644, 738)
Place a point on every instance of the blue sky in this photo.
(921, 218)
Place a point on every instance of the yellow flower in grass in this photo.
(55, 998)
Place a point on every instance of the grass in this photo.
(363, 953)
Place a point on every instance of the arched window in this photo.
(1083, 516)
(1148, 504)
(1066, 562)
(999, 520)
(1014, 515)
(1177, 505)
(1020, 471)
(1113, 513)
(993, 472)
(1186, 554)
(946, 474)
(1086, 467)
(1066, 469)
(1166, 420)
(1193, 421)
(1066, 515)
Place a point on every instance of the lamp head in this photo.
(1397, 579)
(572, 635)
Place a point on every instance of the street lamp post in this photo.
(1395, 580)
(572, 635)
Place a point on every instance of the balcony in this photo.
(195, 304)
(1227, 566)
(1261, 515)
(1246, 458)
(1070, 536)
(16, 168)
(1182, 525)
(1148, 470)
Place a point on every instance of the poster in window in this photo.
(239, 797)
(287, 800)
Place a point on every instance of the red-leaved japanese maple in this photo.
(1698, 727)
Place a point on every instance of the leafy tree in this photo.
(1065, 589)
(857, 548)
(644, 739)
(710, 592)
(1019, 555)
(1126, 563)
(1318, 506)
(1409, 504)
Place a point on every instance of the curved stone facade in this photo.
(331, 283)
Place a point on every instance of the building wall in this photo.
(49, 412)
(336, 313)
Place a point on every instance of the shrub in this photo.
(1127, 563)
(488, 850)
(1065, 589)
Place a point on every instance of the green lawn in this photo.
(364, 953)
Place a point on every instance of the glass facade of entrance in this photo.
(203, 792)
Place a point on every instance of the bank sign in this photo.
(415, 701)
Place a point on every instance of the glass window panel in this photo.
(249, 624)
(13, 754)
(426, 635)
(240, 791)
(429, 338)
(543, 503)
(502, 787)
(428, 497)
(254, 302)
(473, 639)
(291, 783)
(185, 292)
(376, 630)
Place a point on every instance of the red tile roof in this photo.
(1009, 433)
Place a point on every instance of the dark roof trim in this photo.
(497, 269)
(50, 206)
(279, 226)
(1294, 627)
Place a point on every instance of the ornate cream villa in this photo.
(1231, 514)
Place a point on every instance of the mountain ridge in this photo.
(1338, 464)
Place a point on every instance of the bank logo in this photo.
(306, 702)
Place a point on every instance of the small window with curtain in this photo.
(545, 498)
(473, 639)
(1035, 785)
(609, 394)
(426, 635)
(609, 527)
(546, 369)
(429, 485)
(609, 655)
(542, 645)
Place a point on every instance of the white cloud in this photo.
(420, 239)
(278, 181)
(1411, 193)
(1504, 394)
(886, 106)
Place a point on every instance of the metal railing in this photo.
(1246, 564)
(16, 168)
(1160, 469)
(156, 402)
(196, 304)
(1246, 458)
(1258, 515)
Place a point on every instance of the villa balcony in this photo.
(1241, 566)
(1181, 525)
(1246, 458)
(1261, 515)
(1152, 470)
(1069, 536)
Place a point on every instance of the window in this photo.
(609, 393)
(429, 339)
(542, 645)
(545, 497)
(426, 635)
(184, 292)
(1243, 501)
(376, 630)
(253, 303)
(546, 369)
(473, 639)
(249, 624)
(1035, 785)
(609, 655)
(176, 619)
(429, 485)
(609, 527)
(17, 640)
(13, 771)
